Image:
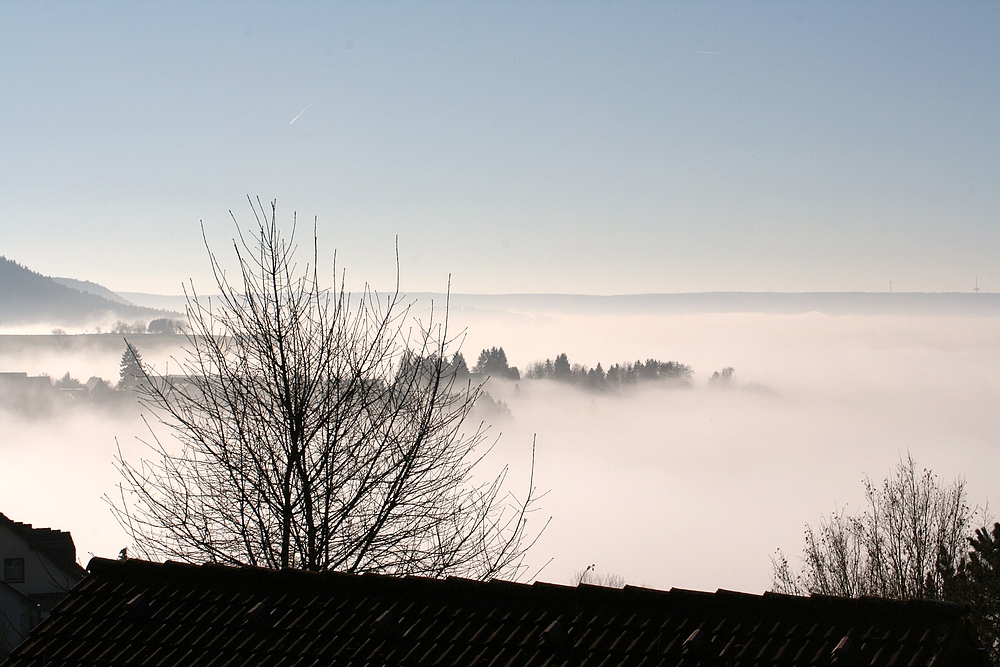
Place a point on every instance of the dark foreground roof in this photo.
(157, 615)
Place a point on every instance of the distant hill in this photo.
(88, 287)
(27, 298)
(166, 301)
(962, 304)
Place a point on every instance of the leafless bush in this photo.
(912, 531)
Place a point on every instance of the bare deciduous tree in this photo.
(911, 532)
(319, 433)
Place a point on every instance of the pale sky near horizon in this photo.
(520, 147)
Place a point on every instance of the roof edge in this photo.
(864, 606)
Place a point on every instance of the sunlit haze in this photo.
(665, 486)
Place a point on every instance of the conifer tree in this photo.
(130, 369)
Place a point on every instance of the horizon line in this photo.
(617, 294)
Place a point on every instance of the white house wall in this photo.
(41, 575)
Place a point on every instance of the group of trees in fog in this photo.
(161, 325)
(916, 538)
(493, 362)
(723, 378)
(618, 375)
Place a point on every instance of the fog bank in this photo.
(697, 488)
(668, 487)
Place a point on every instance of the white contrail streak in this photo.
(300, 113)
(712, 53)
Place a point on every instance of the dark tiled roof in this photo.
(158, 615)
(56, 544)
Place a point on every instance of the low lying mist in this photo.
(664, 485)
(85, 355)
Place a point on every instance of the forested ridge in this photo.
(28, 297)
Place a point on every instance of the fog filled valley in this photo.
(664, 484)
(518, 334)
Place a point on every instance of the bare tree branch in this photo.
(313, 431)
(911, 528)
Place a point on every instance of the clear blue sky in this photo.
(521, 147)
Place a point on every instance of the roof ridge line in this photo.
(557, 592)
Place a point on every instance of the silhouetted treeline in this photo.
(723, 378)
(618, 375)
(162, 325)
(493, 362)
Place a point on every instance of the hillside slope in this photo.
(27, 297)
(917, 304)
(92, 288)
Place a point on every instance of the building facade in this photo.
(38, 569)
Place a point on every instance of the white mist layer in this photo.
(667, 487)
(697, 488)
